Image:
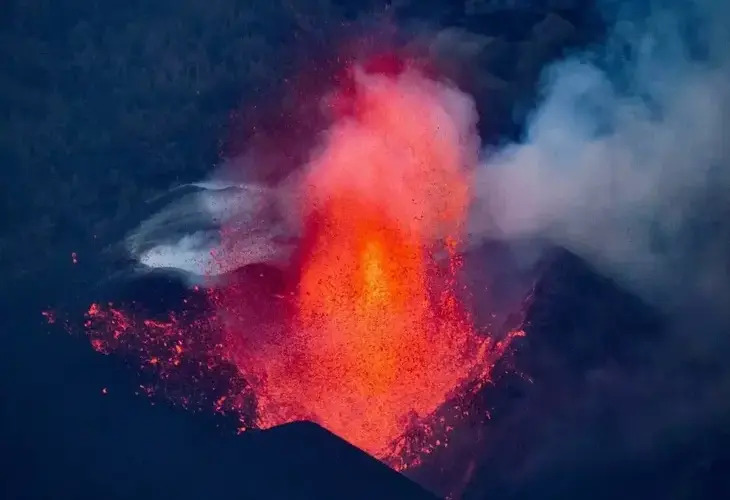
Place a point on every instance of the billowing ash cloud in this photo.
(625, 159)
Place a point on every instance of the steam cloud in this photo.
(625, 160)
(184, 236)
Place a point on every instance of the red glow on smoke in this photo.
(366, 334)
(376, 338)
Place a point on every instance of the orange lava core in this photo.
(379, 339)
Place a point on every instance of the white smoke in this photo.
(185, 236)
(625, 154)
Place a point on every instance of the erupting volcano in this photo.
(371, 336)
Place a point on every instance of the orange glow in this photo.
(379, 339)
(366, 334)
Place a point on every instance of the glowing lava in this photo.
(366, 334)
(378, 339)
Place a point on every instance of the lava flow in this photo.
(368, 335)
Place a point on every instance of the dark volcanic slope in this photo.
(73, 427)
(591, 406)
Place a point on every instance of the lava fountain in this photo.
(378, 337)
(366, 333)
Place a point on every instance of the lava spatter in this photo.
(366, 333)
(378, 338)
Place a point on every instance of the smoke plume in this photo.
(625, 159)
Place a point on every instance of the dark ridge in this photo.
(75, 428)
(580, 326)
(577, 323)
(586, 317)
(347, 471)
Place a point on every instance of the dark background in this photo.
(106, 104)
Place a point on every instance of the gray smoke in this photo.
(625, 159)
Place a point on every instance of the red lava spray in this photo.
(378, 338)
(372, 338)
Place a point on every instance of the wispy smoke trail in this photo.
(185, 235)
(625, 159)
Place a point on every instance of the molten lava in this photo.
(369, 337)
(378, 339)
